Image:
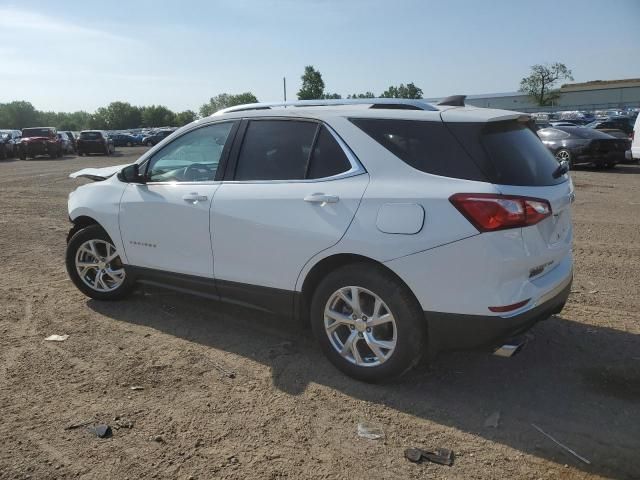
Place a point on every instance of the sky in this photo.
(72, 55)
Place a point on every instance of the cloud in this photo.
(12, 18)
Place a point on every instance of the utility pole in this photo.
(284, 86)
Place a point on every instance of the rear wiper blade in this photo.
(561, 170)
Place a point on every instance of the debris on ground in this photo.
(136, 387)
(122, 423)
(224, 371)
(442, 456)
(492, 420)
(102, 431)
(78, 425)
(370, 431)
(56, 338)
(579, 457)
(157, 438)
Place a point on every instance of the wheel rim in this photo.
(360, 326)
(563, 155)
(98, 265)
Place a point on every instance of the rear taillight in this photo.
(488, 212)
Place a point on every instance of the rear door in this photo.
(292, 191)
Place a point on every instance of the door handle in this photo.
(321, 198)
(194, 197)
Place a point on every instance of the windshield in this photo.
(35, 132)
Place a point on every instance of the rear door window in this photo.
(328, 159)
(289, 150)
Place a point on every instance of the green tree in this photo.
(362, 95)
(183, 118)
(539, 84)
(74, 121)
(18, 114)
(120, 115)
(312, 84)
(226, 100)
(157, 116)
(403, 91)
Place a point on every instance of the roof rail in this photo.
(391, 103)
(453, 101)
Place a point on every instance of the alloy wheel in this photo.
(360, 326)
(99, 266)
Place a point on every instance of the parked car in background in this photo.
(39, 141)
(395, 233)
(635, 141)
(72, 139)
(123, 140)
(67, 144)
(619, 123)
(94, 141)
(156, 138)
(9, 140)
(580, 145)
(564, 123)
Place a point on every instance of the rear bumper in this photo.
(451, 331)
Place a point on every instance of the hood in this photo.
(98, 173)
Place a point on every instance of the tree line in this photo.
(122, 115)
(115, 116)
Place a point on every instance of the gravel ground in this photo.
(231, 393)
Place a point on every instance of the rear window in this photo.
(427, 146)
(509, 153)
(584, 132)
(90, 135)
(35, 132)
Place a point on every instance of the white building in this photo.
(594, 95)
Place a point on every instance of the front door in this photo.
(165, 222)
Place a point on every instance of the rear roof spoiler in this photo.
(453, 101)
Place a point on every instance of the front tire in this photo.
(368, 323)
(95, 267)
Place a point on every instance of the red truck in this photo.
(40, 141)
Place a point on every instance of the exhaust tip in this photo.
(510, 348)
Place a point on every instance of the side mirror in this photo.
(131, 174)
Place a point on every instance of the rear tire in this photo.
(383, 345)
(565, 155)
(101, 274)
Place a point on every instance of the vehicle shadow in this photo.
(622, 168)
(579, 383)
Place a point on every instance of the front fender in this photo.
(100, 201)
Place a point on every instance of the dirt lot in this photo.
(287, 413)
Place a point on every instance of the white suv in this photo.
(395, 227)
